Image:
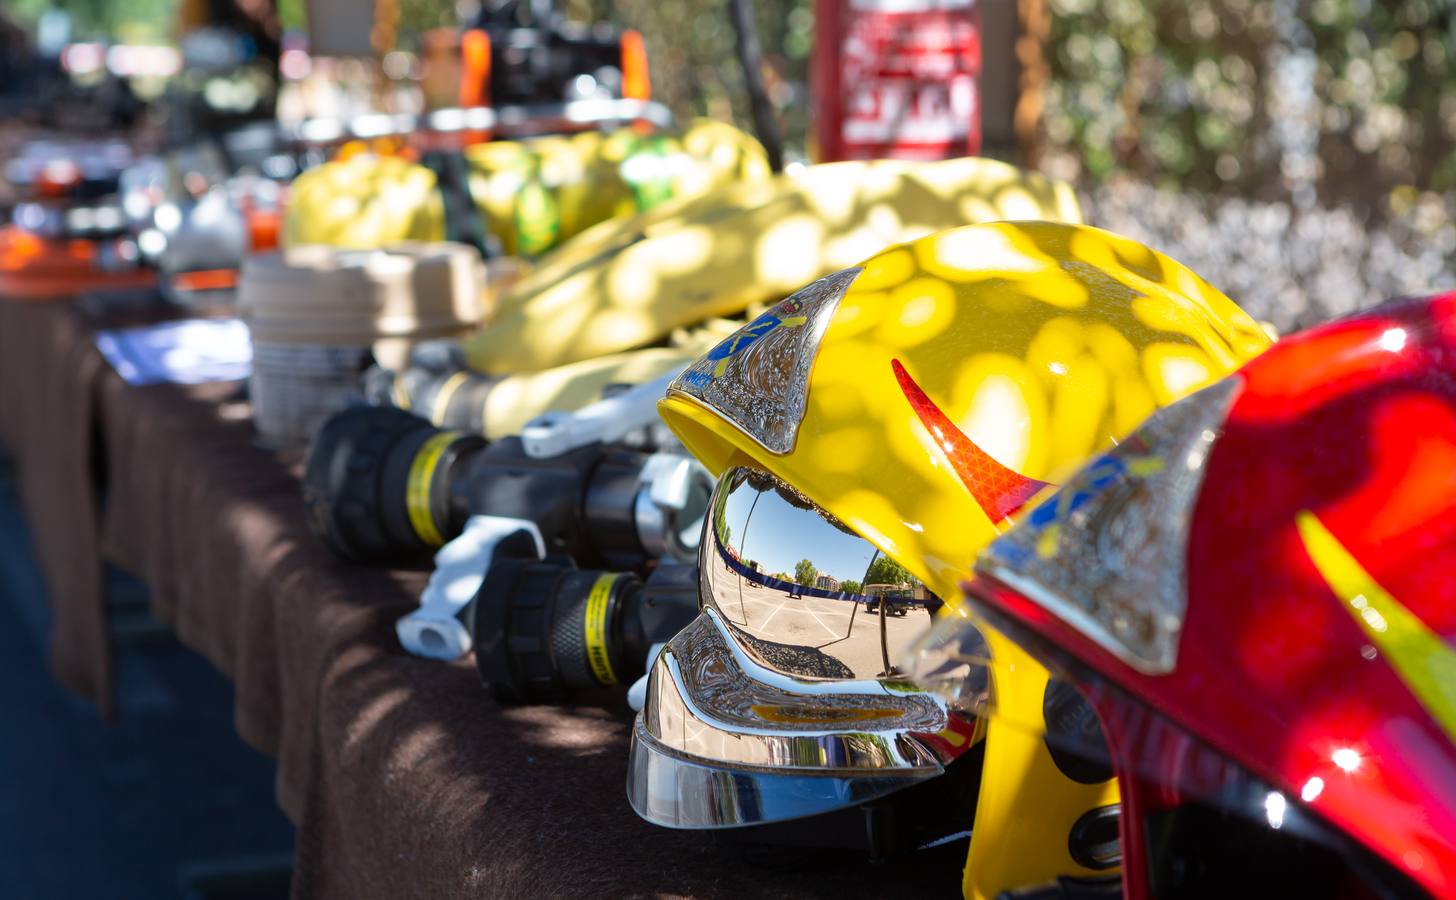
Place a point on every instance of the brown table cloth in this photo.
(404, 778)
(49, 368)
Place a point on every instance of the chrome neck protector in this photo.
(781, 700)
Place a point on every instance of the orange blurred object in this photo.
(263, 228)
(206, 280)
(37, 268)
(636, 82)
(350, 149)
(474, 68)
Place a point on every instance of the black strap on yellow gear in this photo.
(464, 219)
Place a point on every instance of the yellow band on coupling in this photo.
(596, 629)
(443, 395)
(417, 487)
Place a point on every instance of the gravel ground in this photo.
(1287, 266)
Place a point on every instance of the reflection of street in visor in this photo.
(803, 594)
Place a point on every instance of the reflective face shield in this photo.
(783, 700)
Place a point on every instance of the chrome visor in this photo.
(783, 698)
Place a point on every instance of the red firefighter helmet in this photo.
(1257, 594)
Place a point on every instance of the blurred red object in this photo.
(897, 78)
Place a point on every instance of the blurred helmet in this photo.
(1257, 593)
(872, 433)
(537, 193)
(363, 203)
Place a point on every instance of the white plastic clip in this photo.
(637, 693)
(674, 481)
(606, 421)
(434, 630)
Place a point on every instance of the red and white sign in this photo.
(897, 78)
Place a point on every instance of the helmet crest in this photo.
(998, 490)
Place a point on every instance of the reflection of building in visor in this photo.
(787, 677)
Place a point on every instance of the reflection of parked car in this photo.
(895, 604)
(900, 597)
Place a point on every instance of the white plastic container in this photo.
(319, 316)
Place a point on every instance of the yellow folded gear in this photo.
(364, 202)
(727, 148)
(539, 192)
(628, 283)
(518, 399)
(500, 405)
(533, 194)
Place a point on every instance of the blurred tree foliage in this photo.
(1330, 100)
(886, 571)
(415, 16)
(690, 45)
(136, 20)
(805, 572)
(421, 15)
